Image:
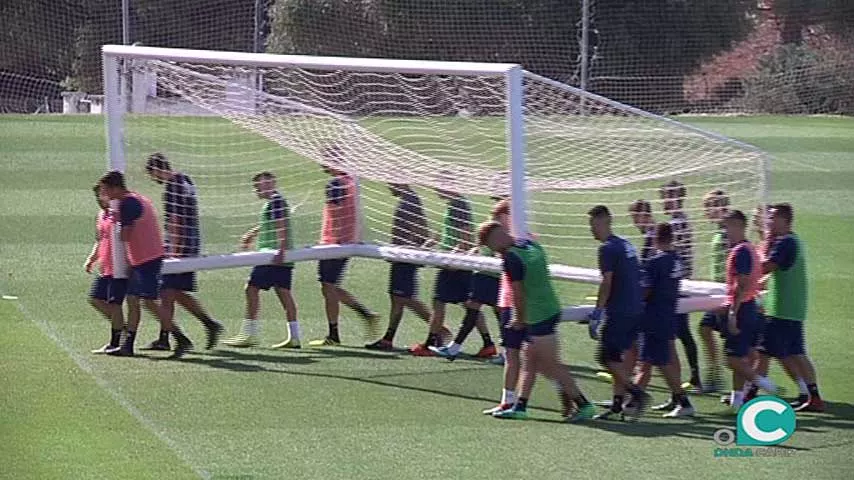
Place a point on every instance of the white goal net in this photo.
(222, 118)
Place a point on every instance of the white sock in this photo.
(737, 399)
(251, 327)
(802, 387)
(746, 387)
(765, 384)
(508, 397)
(454, 348)
(293, 329)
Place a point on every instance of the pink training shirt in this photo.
(339, 212)
(145, 242)
(105, 224)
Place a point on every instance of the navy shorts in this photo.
(331, 271)
(548, 327)
(266, 276)
(109, 289)
(713, 321)
(510, 338)
(783, 338)
(185, 282)
(750, 328)
(617, 336)
(452, 286)
(484, 289)
(144, 281)
(655, 348)
(403, 280)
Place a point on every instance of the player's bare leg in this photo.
(289, 305)
(526, 379)
(713, 357)
(101, 306)
(371, 319)
(575, 405)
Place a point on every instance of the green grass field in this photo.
(349, 413)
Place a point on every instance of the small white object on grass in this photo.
(9, 297)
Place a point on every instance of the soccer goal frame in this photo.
(118, 58)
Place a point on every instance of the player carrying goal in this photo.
(340, 226)
(273, 232)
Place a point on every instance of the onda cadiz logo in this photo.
(764, 421)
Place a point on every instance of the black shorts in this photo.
(783, 338)
(144, 281)
(403, 280)
(617, 336)
(185, 282)
(547, 327)
(511, 338)
(109, 289)
(484, 289)
(655, 348)
(266, 276)
(750, 329)
(452, 286)
(331, 271)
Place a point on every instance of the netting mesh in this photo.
(441, 134)
(741, 56)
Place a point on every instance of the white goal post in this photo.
(553, 143)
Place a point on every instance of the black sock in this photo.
(581, 400)
(682, 400)
(432, 340)
(617, 404)
(467, 326)
(179, 335)
(333, 332)
(753, 391)
(164, 336)
(635, 390)
(131, 337)
(389, 335)
(813, 389)
(487, 339)
(361, 310)
(521, 404)
(207, 321)
(115, 337)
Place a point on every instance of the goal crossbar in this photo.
(308, 61)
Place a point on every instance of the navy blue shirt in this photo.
(743, 262)
(278, 206)
(784, 251)
(335, 191)
(182, 211)
(618, 255)
(683, 241)
(648, 249)
(129, 210)
(661, 276)
(514, 267)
